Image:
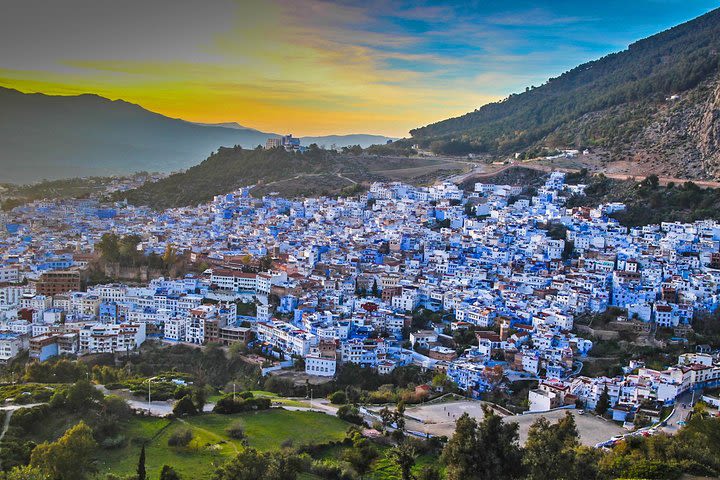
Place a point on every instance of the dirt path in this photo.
(487, 171)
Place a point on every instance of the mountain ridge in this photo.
(61, 136)
(652, 103)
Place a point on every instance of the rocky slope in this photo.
(655, 105)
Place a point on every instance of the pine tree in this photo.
(603, 402)
(141, 474)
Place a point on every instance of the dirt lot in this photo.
(439, 419)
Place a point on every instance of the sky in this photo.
(315, 67)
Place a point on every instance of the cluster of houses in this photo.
(336, 280)
(629, 393)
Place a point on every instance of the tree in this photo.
(250, 464)
(603, 402)
(184, 406)
(116, 406)
(338, 398)
(489, 449)
(460, 453)
(68, 458)
(361, 455)
(404, 456)
(429, 472)
(652, 181)
(82, 395)
(400, 415)
(550, 450)
(141, 474)
(375, 292)
(169, 257)
(168, 473)
(350, 413)
(386, 416)
(25, 472)
(199, 397)
(498, 441)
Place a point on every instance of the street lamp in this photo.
(149, 380)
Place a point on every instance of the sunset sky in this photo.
(312, 67)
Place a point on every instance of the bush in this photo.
(350, 413)
(236, 431)
(113, 442)
(26, 418)
(329, 470)
(180, 438)
(227, 405)
(168, 473)
(338, 398)
(184, 406)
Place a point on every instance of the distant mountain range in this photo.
(656, 103)
(48, 137)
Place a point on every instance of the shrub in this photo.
(227, 405)
(338, 398)
(113, 442)
(329, 470)
(350, 413)
(236, 430)
(26, 418)
(180, 438)
(184, 406)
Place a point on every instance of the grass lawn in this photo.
(281, 400)
(265, 430)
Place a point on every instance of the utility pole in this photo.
(233, 391)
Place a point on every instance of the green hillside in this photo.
(225, 170)
(643, 76)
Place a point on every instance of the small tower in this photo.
(504, 328)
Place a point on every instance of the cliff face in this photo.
(678, 136)
(707, 133)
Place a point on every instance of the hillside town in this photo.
(390, 278)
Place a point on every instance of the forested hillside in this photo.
(621, 102)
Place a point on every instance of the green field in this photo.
(265, 430)
(280, 400)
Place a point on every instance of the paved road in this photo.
(156, 408)
(683, 408)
